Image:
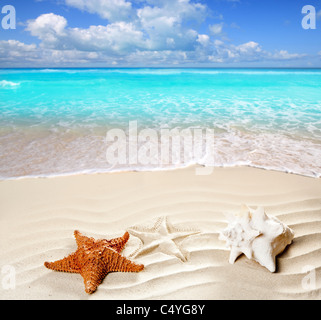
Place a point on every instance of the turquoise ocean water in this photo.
(54, 121)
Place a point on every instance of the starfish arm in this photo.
(145, 236)
(115, 262)
(141, 233)
(170, 248)
(177, 233)
(93, 277)
(184, 235)
(147, 249)
(81, 239)
(68, 264)
(118, 244)
(134, 232)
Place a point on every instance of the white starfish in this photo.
(257, 235)
(162, 237)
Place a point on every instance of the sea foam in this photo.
(9, 84)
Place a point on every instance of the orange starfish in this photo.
(94, 259)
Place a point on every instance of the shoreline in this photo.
(38, 218)
(94, 172)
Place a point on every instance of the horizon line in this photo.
(258, 68)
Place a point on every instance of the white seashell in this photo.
(257, 235)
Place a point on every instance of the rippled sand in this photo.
(38, 217)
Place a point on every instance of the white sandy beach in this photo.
(38, 217)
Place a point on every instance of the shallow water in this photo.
(55, 121)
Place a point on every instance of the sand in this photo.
(38, 218)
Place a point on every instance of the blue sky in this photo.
(166, 33)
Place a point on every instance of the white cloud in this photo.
(47, 25)
(181, 9)
(50, 28)
(113, 10)
(162, 20)
(218, 43)
(203, 39)
(15, 53)
(115, 38)
(248, 52)
(12, 51)
(216, 28)
(249, 47)
(285, 55)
